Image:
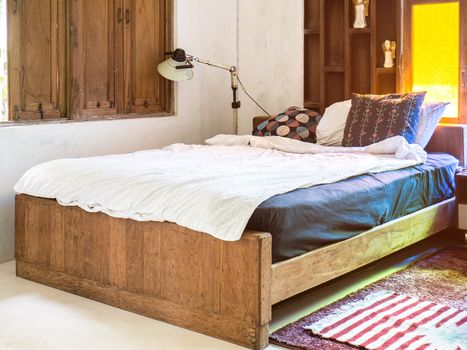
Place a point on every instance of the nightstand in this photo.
(461, 197)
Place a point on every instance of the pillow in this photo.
(330, 130)
(430, 116)
(294, 123)
(374, 118)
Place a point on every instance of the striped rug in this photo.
(391, 321)
(424, 303)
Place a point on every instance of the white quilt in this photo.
(211, 188)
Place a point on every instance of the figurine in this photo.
(361, 13)
(389, 49)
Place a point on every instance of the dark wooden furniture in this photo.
(191, 279)
(341, 60)
(461, 196)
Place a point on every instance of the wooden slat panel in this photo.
(152, 259)
(97, 58)
(37, 59)
(57, 239)
(72, 234)
(144, 45)
(116, 276)
(197, 286)
(299, 274)
(134, 256)
(236, 299)
(32, 232)
(20, 221)
(233, 330)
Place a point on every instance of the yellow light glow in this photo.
(435, 53)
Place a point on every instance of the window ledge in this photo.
(11, 123)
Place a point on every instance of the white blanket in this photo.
(213, 189)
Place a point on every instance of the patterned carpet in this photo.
(440, 278)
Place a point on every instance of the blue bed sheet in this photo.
(306, 219)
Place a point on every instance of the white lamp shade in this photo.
(169, 71)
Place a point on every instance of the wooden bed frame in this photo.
(190, 279)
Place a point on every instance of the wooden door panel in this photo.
(37, 59)
(96, 59)
(144, 48)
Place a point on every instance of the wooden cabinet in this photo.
(144, 44)
(36, 34)
(96, 58)
(85, 59)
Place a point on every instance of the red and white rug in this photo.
(386, 320)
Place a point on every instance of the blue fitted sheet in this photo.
(306, 219)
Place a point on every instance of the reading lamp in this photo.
(179, 67)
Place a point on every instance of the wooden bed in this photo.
(190, 279)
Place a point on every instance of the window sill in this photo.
(11, 123)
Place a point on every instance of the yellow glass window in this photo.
(435, 53)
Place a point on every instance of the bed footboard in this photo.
(160, 270)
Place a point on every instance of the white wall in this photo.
(269, 29)
(270, 56)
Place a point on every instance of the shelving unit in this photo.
(341, 60)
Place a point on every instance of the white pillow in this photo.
(330, 130)
(430, 115)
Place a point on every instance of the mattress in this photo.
(306, 219)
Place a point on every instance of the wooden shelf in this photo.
(354, 31)
(341, 60)
(309, 31)
(382, 70)
(312, 104)
(334, 69)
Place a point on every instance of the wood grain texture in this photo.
(96, 58)
(450, 139)
(37, 79)
(299, 274)
(156, 269)
(341, 60)
(146, 27)
(187, 278)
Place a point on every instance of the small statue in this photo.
(361, 13)
(389, 49)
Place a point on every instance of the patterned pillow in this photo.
(374, 118)
(294, 123)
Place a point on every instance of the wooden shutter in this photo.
(36, 34)
(96, 58)
(145, 40)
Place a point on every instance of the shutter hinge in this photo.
(15, 113)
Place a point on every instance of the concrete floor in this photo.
(36, 317)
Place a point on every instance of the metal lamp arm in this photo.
(231, 69)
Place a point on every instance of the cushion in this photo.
(430, 116)
(374, 118)
(330, 130)
(294, 123)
